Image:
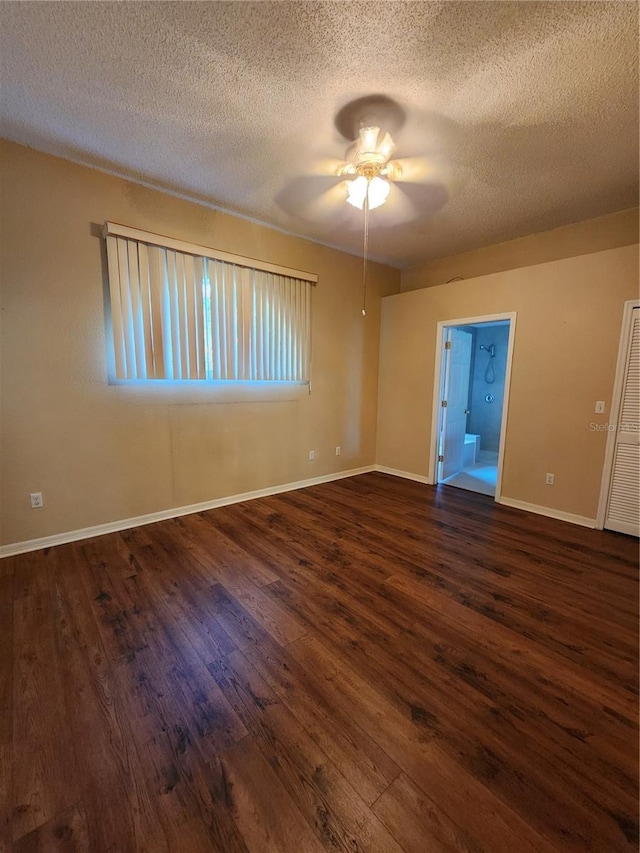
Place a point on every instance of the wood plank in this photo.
(455, 526)
(354, 753)
(624, 661)
(512, 773)
(182, 590)
(608, 691)
(44, 778)
(265, 813)
(457, 545)
(336, 812)
(6, 701)
(207, 547)
(492, 824)
(211, 720)
(218, 553)
(64, 833)
(369, 664)
(121, 814)
(191, 793)
(418, 823)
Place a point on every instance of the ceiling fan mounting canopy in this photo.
(372, 111)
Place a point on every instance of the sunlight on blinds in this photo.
(179, 316)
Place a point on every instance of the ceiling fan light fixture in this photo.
(378, 192)
(356, 192)
(377, 189)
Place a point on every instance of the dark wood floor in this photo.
(367, 665)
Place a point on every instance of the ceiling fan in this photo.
(369, 125)
(339, 195)
(369, 159)
(368, 169)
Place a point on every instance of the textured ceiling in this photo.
(524, 115)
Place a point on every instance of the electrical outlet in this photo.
(599, 409)
(36, 500)
(550, 479)
(338, 451)
(312, 455)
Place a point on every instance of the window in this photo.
(183, 312)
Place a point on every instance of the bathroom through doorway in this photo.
(471, 403)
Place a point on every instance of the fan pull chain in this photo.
(365, 250)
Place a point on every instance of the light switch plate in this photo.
(599, 410)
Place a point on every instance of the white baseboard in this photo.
(582, 520)
(150, 518)
(406, 475)
(137, 521)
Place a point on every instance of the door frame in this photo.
(614, 410)
(438, 386)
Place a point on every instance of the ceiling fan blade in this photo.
(398, 208)
(327, 167)
(414, 170)
(319, 199)
(422, 199)
(329, 203)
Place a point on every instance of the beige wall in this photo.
(569, 315)
(103, 452)
(593, 235)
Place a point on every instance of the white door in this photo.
(458, 345)
(623, 503)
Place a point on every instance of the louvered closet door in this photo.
(623, 507)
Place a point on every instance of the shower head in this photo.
(491, 349)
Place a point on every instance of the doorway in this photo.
(470, 402)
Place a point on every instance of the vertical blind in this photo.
(180, 315)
